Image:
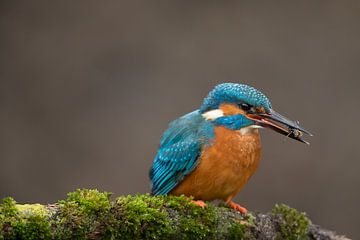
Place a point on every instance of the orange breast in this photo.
(224, 167)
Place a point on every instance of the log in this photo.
(90, 214)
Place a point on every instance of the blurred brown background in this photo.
(87, 88)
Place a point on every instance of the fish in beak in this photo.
(280, 124)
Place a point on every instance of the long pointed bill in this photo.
(280, 124)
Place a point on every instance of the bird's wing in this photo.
(172, 164)
(178, 154)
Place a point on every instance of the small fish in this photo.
(295, 132)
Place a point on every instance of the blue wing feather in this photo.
(179, 151)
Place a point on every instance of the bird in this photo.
(210, 153)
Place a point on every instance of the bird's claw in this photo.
(199, 203)
(237, 207)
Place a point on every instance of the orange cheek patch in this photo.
(231, 109)
(261, 110)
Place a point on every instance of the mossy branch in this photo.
(89, 214)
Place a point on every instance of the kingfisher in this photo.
(210, 153)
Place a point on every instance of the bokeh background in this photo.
(88, 87)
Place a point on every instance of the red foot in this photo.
(237, 207)
(200, 203)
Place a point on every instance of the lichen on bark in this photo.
(90, 214)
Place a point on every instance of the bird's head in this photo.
(236, 106)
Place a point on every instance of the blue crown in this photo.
(234, 93)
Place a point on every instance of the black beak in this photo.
(280, 124)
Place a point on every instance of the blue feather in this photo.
(234, 93)
(233, 122)
(180, 148)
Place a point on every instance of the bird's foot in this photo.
(237, 207)
(199, 203)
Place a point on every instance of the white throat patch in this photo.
(249, 130)
(213, 114)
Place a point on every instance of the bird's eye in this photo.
(244, 106)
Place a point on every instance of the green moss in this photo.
(165, 217)
(250, 218)
(89, 214)
(143, 217)
(293, 224)
(232, 225)
(31, 209)
(8, 207)
(197, 222)
(8, 212)
(19, 222)
(32, 227)
(81, 214)
(90, 201)
(237, 231)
